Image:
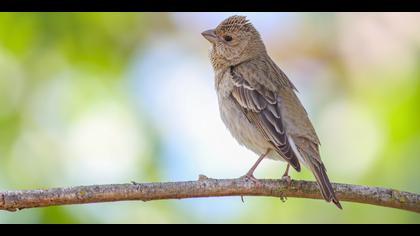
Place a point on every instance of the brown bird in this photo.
(258, 103)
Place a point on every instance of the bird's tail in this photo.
(312, 160)
(320, 173)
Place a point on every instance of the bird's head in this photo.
(235, 40)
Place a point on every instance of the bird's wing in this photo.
(296, 118)
(262, 107)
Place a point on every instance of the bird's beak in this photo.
(210, 35)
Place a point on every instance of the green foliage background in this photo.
(56, 67)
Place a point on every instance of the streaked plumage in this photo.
(258, 103)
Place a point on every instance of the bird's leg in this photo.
(250, 174)
(286, 176)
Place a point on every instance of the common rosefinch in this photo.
(258, 103)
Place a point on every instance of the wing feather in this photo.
(262, 107)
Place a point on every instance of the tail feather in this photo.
(324, 183)
(311, 159)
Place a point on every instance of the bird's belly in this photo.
(242, 130)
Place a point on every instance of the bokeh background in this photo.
(95, 98)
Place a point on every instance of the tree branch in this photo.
(204, 187)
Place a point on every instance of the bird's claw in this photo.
(287, 179)
(250, 177)
(283, 198)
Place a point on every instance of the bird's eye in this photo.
(228, 38)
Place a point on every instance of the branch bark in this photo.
(204, 187)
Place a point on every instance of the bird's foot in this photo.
(283, 198)
(202, 178)
(251, 177)
(287, 179)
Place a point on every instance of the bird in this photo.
(258, 103)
